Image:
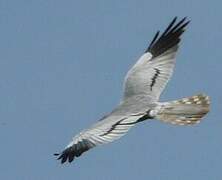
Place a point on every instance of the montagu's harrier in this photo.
(143, 86)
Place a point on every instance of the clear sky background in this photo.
(62, 65)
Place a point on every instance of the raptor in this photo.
(143, 86)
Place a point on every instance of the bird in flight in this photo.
(143, 86)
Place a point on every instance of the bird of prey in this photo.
(143, 86)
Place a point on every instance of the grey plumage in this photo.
(143, 86)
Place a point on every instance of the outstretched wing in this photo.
(149, 76)
(102, 132)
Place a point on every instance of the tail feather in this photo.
(186, 111)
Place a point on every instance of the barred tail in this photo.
(186, 111)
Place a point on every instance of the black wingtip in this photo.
(76, 150)
(67, 154)
(169, 38)
(169, 26)
(154, 39)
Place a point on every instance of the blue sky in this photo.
(62, 65)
